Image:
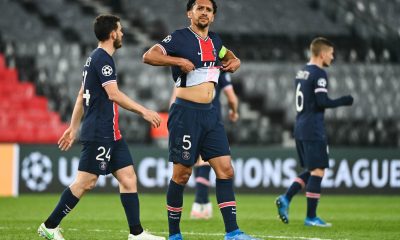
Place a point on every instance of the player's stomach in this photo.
(202, 93)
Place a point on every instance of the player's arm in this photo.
(229, 60)
(155, 56)
(115, 95)
(323, 101)
(233, 103)
(68, 137)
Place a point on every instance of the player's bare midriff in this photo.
(202, 93)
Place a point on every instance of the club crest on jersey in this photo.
(103, 166)
(107, 70)
(186, 155)
(321, 82)
(167, 39)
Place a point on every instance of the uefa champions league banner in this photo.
(44, 168)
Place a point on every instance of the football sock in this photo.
(297, 185)
(65, 205)
(202, 184)
(130, 202)
(227, 203)
(313, 194)
(174, 206)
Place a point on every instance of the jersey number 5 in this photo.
(299, 99)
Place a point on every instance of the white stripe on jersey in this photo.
(162, 48)
(317, 90)
(108, 82)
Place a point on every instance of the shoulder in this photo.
(174, 36)
(214, 36)
(100, 56)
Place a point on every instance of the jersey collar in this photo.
(197, 35)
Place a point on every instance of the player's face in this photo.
(118, 36)
(202, 13)
(327, 57)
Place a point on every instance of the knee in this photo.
(85, 186)
(128, 183)
(225, 172)
(318, 172)
(181, 179)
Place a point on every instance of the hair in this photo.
(319, 44)
(104, 24)
(191, 3)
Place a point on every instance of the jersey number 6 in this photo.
(299, 99)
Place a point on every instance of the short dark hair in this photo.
(191, 3)
(104, 24)
(319, 44)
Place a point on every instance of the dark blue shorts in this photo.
(102, 158)
(195, 129)
(313, 154)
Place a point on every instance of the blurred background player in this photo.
(197, 56)
(312, 99)
(202, 207)
(104, 150)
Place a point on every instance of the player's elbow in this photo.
(113, 96)
(146, 58)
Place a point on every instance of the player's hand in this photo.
(231, 65)
(233, 116)
(348, 100)
(67, 139)
(186, 66)
(152, 117)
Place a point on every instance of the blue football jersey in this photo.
(309, 82)
(223, 82)
(205, 54)
(100, 120)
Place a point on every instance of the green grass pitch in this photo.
(100, 216)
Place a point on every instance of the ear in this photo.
(113, 35)
(189, 14)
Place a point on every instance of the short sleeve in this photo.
(224, 80)
(321, 83)
(169, 44)
(105, 70)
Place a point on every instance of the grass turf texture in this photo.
(101, 216)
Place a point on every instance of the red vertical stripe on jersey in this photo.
(117, 133)
(207, 50)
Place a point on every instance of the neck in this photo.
(316, 61)
(107, 46)
(202, 32)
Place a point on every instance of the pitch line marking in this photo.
(189, 233)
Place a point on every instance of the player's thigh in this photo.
(120, 156)
(95, 157)
(185, 133)
(316, 155)
(200, 162)
(222, 166)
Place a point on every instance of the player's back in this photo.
(100, 122)
(310, 118)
